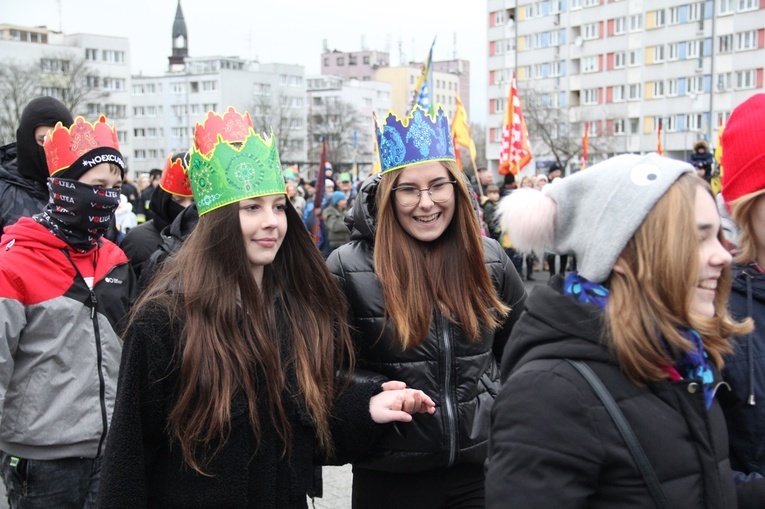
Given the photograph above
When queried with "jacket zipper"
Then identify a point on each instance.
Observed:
(101, 382)
(451, 425)
(99, 351)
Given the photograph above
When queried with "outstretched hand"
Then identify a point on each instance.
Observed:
(397, 403)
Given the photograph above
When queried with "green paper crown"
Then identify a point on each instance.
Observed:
(228, 173)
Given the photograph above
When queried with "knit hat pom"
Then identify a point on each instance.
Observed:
(528, 217)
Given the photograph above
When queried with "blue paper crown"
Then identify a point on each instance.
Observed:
(419, 138)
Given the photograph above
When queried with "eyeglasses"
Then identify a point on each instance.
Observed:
(409, 196)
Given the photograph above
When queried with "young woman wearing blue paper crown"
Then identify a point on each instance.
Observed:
(432, 304)
(228, 390)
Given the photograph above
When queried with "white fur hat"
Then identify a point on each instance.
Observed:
(593, 213)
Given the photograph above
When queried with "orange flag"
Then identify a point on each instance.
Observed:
(585, 144)
(461, 131)
(659, 147)
(516, 150)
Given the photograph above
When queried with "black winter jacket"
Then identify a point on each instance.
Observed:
(744, 405)
(140, 243)
(553, 444)
(461, 377)
(172, 238)
(19, 196)
(143, 466)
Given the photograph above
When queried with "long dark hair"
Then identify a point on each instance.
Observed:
(230, 337)
(449, 271)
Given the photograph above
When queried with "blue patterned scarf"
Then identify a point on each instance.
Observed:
(692, 365)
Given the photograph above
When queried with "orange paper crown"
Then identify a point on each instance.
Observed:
(232, 127)
(64, 145)
(175, 178)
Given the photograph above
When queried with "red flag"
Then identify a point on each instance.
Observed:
(585, 144)
(319, 194)
(516, 150)
(659, 147)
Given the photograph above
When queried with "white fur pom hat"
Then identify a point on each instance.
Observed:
(593, 213)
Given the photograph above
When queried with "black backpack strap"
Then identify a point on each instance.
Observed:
(646, 470)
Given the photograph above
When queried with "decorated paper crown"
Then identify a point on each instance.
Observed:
(418, 138)
(65, 145)
(175, 178)
(230, 162)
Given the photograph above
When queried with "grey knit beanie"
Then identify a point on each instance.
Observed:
(593, 213)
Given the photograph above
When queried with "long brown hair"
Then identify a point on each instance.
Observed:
(651, 297)
(742, 215)
(448, 272)
(230, 338)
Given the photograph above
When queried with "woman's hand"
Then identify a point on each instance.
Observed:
(397, 403)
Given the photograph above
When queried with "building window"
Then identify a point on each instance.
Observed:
(140, 154)
(725, 7)
(745, 79)
(591, 3)
(725, 81)
(499, 17)
(92, 81)
(326, 61)
(672, 88)
(365, 60)
(620, 60)
(179, 88)
(620, 127)
(619, 94)
(54, 65)
(658, 54)
(139, 111)
(590, 64)
(636, 22)
(673, 51)
(634, 58)
(113, 57)
(590, 96)
(633, 92)
(91, 54)
(658, 89)
(696, 84)
(620, 26)
(576, 4)
(340, 60)
(746, 40)
(748, 5)
(694, 121)
(694, 49)
(725, 43)
(694, 11)
(209, 86)
(674, 15)
(139, 132)
(353, 60)
(591, 31)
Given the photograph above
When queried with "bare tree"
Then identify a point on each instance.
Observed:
(274, 112)
(336, 120)
(72, 80)
(19, 84)
(551, 133)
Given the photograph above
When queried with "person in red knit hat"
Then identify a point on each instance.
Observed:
(743, 181)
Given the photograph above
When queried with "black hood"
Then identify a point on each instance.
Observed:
(164, 208)
(361, 220)
(41, 111)
(182, 226)
(744, 275)
(555, 326)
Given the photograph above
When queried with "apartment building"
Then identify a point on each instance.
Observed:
(88, 70)
(622, 67)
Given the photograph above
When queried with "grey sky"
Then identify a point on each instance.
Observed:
(277, 31)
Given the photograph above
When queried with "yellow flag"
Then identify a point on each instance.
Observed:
(461, 129)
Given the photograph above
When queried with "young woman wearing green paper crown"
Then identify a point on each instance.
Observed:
(432, 304)
(228, 391)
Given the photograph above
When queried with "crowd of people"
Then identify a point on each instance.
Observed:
(215, 334)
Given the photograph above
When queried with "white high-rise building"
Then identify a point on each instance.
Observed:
(622, 67)
(166, 108)
(94, 68)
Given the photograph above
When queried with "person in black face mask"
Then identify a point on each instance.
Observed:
(24, 172)
(64, 290)
(170, 198)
